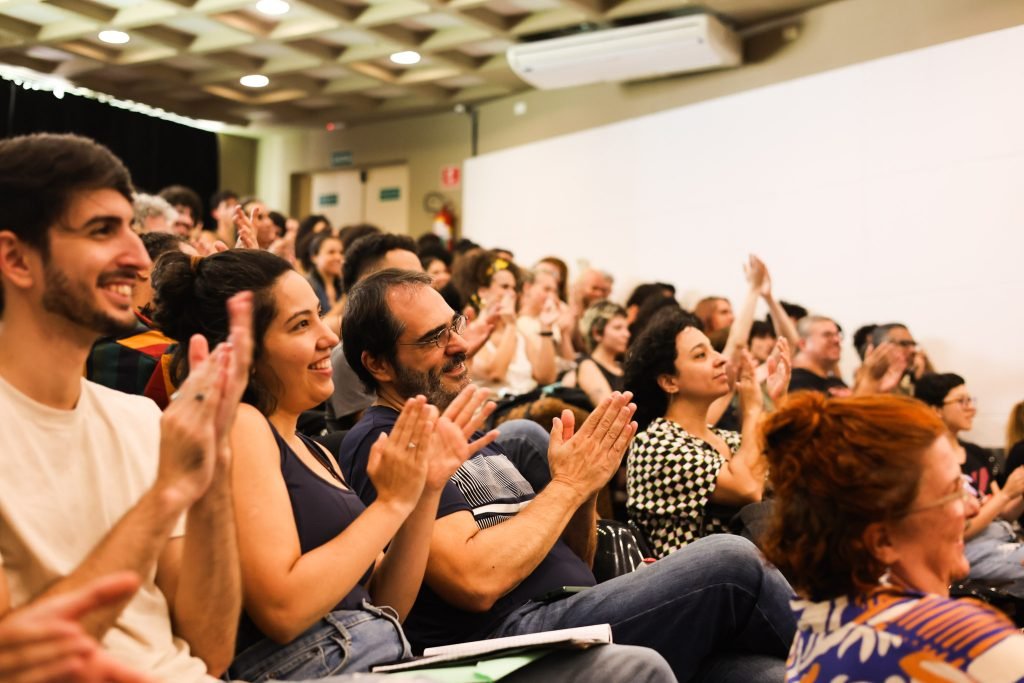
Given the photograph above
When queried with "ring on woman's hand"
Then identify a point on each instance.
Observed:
(411, 445)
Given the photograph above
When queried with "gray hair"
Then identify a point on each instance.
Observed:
(150, 205)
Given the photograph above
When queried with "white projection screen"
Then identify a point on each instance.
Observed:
(891, 190)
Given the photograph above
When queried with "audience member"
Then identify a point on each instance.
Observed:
(437, 263)
(152, 213)
(138, 362)
(642, 293)
(561, 271)
(327, 262)
(992, 547)
(679, 466)
(312, 555)
(647, 311)
(351, 233)
(511, 362)
(264, 230)
(868, 523)
(189, 208)
(543, 314)
(862, 339)
(497, 547)
(222, 210)
(1015, 438)
(761, 340)
(815, 366)
(123, 486)
(309, 227)
(914, 358)
(715, 314)
(606, 333)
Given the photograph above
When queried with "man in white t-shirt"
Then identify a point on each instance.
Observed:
(93, 481)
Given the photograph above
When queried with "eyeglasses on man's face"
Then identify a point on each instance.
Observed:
(441, 338)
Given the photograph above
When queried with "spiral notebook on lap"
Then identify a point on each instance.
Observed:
(580, 637)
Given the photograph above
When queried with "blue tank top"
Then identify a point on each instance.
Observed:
(321, 512)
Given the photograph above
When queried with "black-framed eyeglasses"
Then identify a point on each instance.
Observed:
(444, 335)
(964, 401)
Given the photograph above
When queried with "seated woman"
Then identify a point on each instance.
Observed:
(538, 306)
(679, 465)
(868, 525)
(605, 331)
(511, 362)
(312, 555)
(992, 546)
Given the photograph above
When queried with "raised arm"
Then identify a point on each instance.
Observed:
(472, 567)
(741, 478)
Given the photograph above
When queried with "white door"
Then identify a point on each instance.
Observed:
(386, 202)
(338, 195)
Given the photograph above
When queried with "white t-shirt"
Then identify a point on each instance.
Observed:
(66, 478)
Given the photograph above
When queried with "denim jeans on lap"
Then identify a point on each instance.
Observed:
(713, 609)
(345, 641)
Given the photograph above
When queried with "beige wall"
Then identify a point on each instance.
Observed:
(831, 36)
(237, 163)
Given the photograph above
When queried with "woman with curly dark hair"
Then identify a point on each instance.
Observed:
(679, 465)
(868, 525)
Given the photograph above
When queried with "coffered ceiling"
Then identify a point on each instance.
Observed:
(326, 60)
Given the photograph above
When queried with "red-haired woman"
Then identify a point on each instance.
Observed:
(868, 526)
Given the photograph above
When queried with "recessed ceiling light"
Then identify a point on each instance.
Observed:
(273, 7)
(114, 37)
(254, 81)
(407, 57)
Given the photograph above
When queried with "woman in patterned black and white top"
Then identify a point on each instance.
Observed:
(679, 465)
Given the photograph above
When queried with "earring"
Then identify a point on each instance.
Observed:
(886, 578)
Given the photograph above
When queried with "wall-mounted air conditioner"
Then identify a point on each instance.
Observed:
(693, 43)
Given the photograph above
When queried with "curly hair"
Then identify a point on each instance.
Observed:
(838, 465)
(654, 354)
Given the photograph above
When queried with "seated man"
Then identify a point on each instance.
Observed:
(498, 548)
(94, 481)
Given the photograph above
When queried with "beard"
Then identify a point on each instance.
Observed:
(70, 302)
(409, 383)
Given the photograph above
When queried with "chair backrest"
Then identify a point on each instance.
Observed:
(620, 549)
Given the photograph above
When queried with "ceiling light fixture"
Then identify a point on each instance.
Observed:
(273, 7)
(114, 37)
(408, 57)
(254, 81)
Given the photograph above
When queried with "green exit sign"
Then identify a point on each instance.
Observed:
(341, 158)
(328, 200)
(390, 194)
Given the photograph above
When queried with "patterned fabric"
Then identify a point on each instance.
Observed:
(901, 636)
(494, 488)
(670, 478)
(138, 363)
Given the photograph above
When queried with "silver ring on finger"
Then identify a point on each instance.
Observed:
(412, 444)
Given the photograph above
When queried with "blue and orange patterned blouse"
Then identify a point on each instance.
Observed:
(896, 635)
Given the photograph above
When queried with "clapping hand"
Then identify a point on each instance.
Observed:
(397, 465)
(884, 366)
(749, 391)
(587, 459)
(246, 231)
(779, 370)
(44, 643)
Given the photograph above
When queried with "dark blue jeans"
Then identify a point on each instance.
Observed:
(714, 609)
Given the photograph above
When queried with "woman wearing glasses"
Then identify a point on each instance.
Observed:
(992, 546)
(313, 560)
(868, 526)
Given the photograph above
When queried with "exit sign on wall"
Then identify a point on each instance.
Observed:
(328, 200)
(390, 194)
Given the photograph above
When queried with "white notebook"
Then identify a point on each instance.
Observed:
(579, 637)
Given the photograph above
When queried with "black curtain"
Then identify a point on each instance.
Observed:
(158, 153)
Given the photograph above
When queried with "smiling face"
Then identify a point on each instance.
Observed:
(535, 293)
(94, 262)
(296, 357)
(699, 369)
(958, 410)
(329, 258)
(502, 282)
(823, 343)
(926, 546)
(439, 373)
